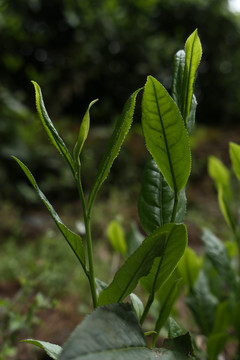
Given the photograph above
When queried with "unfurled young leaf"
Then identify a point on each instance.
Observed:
(234, 150)
(83, 133)
(193, 54)
(116, 236)
(73, 239)
(220, 174)
(137, 304)
(156, 200)
(165, 134)
(52, 350)
(163, 266)
(113, 147)
(50, 129)
(136, 266)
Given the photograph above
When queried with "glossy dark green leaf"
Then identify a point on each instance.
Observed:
(203, 304)
(163, 266)
(73, 239)
(112, 332)
(113, 147)
(136, 266)
(50, 129)
(51, 349)
(165, 134)
(83, 133)
(174, 330)
(218, 255)
(156, 200)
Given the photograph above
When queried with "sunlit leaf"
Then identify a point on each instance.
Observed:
(116, 236)
(52, 350)
(234, 150)
(165, 135)
(189, 267)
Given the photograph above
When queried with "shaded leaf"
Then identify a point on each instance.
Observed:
(113, 147)
(182, 344)
(218, 255)
(136, 266)
(163, 266)
(134, 239)
(174, 330)
(51, 349)
(72, 238)
(165, 135)
(203, 304)
(122, 338)
(156, 200)
(216, 344)
(49, 127)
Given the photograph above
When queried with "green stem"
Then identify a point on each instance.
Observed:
(147, 307)
(87, 220)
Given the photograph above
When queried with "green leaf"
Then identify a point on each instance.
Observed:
(166, 296)
(113, 147)
(216, 344)
(83, 133)
(193, 54)
(234, 150)
(218, 255)
(165, 135)
(134, 239)
(122, 338)
(182, 344)
(203, 304)
(179, 88)
(163, 266)
(116, 236)
(174, 330)
(73, 239)
(222, 318)
(220, 175)
(137, 304)
(235, 318)
(135, 267)
(50, 129)
(224, 205)
(156, 200)
(189, 267)
(52, 350)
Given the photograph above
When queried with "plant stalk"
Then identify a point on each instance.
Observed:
(91, 272)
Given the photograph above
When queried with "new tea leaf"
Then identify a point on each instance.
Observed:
(156, 200)
(49, 127)
(73, 239)
(83, 133)
(234, 150)
(136, 266)
(116, 236)
(165, 135)
(113, 147)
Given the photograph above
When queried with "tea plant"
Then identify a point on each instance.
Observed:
(213, 282)
(113, 329)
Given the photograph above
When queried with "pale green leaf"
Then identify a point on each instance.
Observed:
(50, 129)
(116, 236)
(220, 174)
(113, 147)
(52, 350)
(174, 246)
(83, 133)
(137, 304)
(136, 266)
(156, 200)
(224, 206)
(193, 54)
(72, 238)
(189, 267)
(165, 135)
(234, 150)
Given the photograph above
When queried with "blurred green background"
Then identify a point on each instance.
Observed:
(79, 50)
